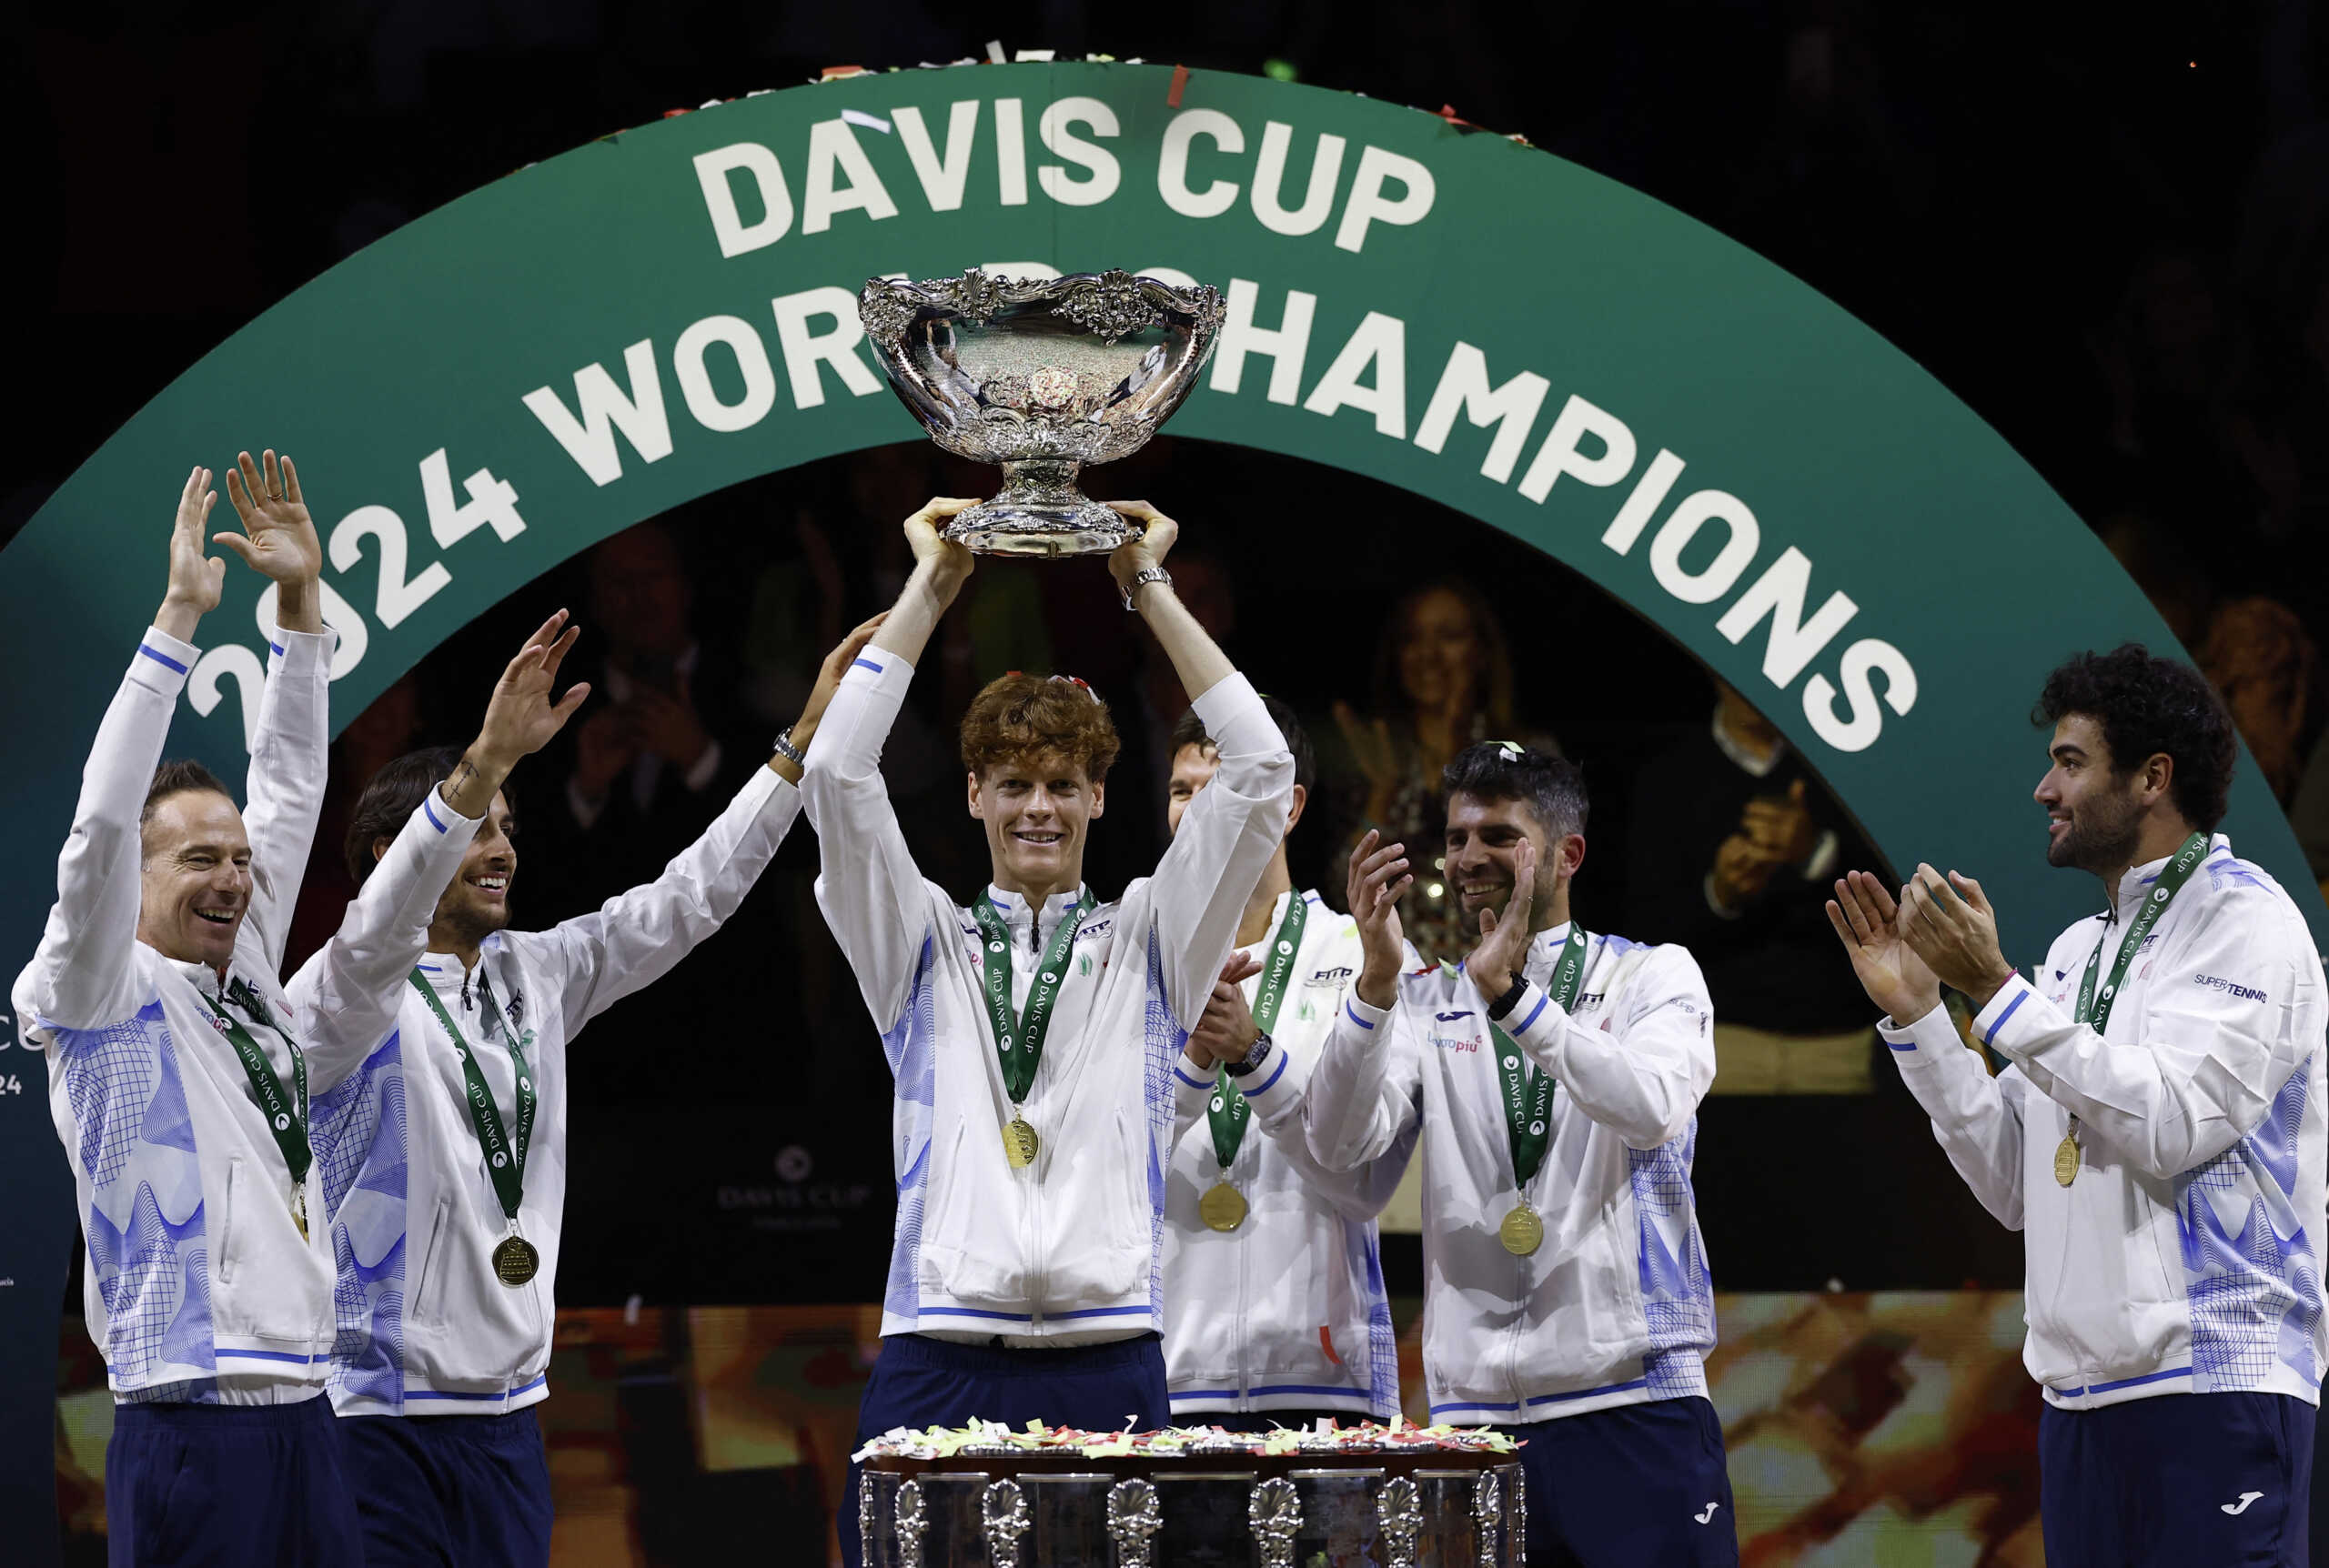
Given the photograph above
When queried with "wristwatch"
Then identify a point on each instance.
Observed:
(790, 752)
(1146, 575)
(1260, 1053)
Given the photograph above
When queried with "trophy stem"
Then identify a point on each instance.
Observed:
(1040, 512)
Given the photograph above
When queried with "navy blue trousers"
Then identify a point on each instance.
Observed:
(921, 1382)
(450, 1490)
(2180, 1480)
(1640, 1486)
(227, 1485)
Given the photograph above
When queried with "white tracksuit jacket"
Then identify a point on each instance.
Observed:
(1615, 1306)
(1287, 1312)
(2184, 1256)
(199, 1289)
(425, 1328)
(1066, 1251)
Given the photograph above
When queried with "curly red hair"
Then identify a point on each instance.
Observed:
(1040, 715)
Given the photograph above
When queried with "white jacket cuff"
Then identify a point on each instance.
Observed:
(300, 652)
(1535, 1022)
(1192, 1088)
(2015, 1019)
(1921, 1041)
(163, 662)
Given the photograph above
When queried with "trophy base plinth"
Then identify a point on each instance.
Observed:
(1041, 513)
(1002, 528)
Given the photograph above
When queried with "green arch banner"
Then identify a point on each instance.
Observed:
(600, 337)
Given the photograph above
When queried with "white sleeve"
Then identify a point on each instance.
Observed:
(1355, 1194)
(346, 998)
(636, 937)
(1362, 1102)
(873, 896)
(1976, 1118)
(1223, 844)
(2232, 1008)
(1644, 1078)
(82, 974)
(283, 793)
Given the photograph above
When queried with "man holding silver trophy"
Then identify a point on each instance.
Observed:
(1032, 1034)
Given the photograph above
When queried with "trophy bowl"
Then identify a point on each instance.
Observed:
(1040, 375)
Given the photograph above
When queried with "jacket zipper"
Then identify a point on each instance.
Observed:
(1031, 1228)
(227, 1226)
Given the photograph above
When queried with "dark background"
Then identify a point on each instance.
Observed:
(2105, 229)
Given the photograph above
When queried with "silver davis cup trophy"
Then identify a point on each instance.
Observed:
(1042, 376)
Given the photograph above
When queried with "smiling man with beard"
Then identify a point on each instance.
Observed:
(1033, 1034)
(2157, 1134)
(445, 1159)
(1556, 1077)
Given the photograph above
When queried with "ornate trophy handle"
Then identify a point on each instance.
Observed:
(1275, 1511)
(1399, 1514)
(1487, 1507)
(1003, 1508)
(1134, 1515)
(906, 1514)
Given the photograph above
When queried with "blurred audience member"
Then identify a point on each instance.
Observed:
(1443, 681)
(1733, 844)
(659, 750)
(2254, 650)
(389, 728)
(1145, 708)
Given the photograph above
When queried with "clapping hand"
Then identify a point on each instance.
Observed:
(1227, 1032)
(1378, 876)
(1503, 949)
(1950, 925)
(1868, 921)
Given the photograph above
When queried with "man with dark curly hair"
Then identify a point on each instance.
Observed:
(1033, 1034)
(2157, 1131)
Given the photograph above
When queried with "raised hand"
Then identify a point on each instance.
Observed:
(828, 676)
(933, 550)
(1951, 926)
(278, 537)
(1226, 1032)
(1783, 825)
(521, 716)
(1378, 876)
(1146, 549)
(1503, 948)
(195, 577)
(1868, 922)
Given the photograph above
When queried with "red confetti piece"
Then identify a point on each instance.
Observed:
(1180, 80)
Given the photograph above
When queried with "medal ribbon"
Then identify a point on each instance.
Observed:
(505, 1158)
(286, 1118)
(1019, 1042)
(1228, 1112)
(1528, 1091)
(2095, 1010)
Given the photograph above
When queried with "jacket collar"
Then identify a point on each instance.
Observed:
(2135, 885)
(1027, 924)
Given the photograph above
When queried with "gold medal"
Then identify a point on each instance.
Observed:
(1019, 1143)
(515, 1262)
(1521, 1233)
(1223, 1208)
(2066, 1159)
(299, 1210)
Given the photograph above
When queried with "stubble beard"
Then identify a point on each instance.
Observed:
(2101, 839)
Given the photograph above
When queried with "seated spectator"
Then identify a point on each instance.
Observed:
(1733, 845)
(1443, 681)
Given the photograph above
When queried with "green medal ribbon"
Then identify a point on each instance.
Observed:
(286, 1118)
(1528, 1091)
(1228, 1112)
(2096, 1010)
(505, 1158)
(1020, 1041)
